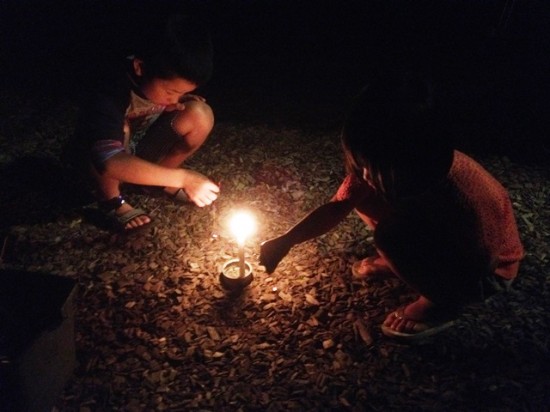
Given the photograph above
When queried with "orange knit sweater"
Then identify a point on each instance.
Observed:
(477, 192)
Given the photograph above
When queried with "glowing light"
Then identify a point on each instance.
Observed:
(242, 225)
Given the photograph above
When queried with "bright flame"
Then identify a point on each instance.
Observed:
(242, 224)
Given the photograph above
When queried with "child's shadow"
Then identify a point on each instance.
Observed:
(37, 190)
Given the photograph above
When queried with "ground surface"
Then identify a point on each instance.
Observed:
(154, 329)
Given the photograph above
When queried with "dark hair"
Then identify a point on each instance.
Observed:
(183, 48)
(395, 133)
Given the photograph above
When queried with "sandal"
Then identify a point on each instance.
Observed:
(118, 222)
(368, 267)
(419, 329)
(179, 196)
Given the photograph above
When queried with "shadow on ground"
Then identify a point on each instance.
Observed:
(36, 190)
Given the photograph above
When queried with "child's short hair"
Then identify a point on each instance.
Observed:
(183, 48)
(394, 131)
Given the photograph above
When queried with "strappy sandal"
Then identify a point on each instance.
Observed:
(118, 222)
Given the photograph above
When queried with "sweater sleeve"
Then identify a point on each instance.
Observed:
(370, 206)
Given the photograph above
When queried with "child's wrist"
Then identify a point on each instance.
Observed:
(289, 239)
(184, 179)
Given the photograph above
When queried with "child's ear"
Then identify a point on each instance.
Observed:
(138, 67)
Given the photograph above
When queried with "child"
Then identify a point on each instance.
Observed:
(441, 222)
(142, 123)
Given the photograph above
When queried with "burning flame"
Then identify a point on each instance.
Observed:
(242, 225)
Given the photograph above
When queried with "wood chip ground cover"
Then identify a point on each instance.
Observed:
(155, 330)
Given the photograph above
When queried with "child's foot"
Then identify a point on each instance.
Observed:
(122, 215)
(373, 265)
(131, 217)
(417, 320)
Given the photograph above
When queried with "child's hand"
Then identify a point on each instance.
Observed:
(200, 189)
(272, 252)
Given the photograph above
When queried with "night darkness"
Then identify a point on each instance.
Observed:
(154, 329)
(300, 62)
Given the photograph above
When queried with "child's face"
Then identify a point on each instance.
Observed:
(166, 92)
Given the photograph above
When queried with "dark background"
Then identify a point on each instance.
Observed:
(299, 63)
(293, 64)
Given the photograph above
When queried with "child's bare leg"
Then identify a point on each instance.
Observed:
(443, 267)
(424, 313)
(415, 312)
(193, 125)
(109, 188)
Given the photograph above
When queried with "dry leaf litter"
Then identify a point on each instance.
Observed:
(155, 330)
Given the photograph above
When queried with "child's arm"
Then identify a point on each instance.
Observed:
(132, 169)
(316, 223)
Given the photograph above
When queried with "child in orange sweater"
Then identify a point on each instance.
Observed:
(441, 222)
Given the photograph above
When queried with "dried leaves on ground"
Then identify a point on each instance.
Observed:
(156, 331)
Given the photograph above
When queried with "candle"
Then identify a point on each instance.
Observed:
(242, 225)
(241, 260)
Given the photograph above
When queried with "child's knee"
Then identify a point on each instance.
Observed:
(197, 117)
